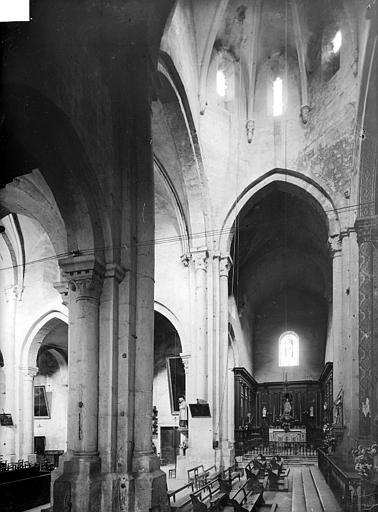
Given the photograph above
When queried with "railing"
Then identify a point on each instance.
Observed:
(44, 465)
(285, 449)
(345, 485)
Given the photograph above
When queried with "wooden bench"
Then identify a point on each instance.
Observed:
(254, 474)
(201, 478)
(210, 497)
(24, 493)
(248, 498)
(260, 465)
(178, 503)
(194, 472)
(275, 481)
(278, 463)
(230, 474)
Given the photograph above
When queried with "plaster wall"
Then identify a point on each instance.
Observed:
(55, 427)
(307, 316)
(322, 149)
(41, 271)
(243, 354)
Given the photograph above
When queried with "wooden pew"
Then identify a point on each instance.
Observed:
(275, 481)
(193, 473)
(230, 474)
(248, 497)
(178, 503)
(260, 465)
(210, 497)
(24, 493)
(254, 474)
(278, 463)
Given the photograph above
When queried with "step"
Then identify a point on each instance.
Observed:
(298, 499)
(326, 496)
(310, 493)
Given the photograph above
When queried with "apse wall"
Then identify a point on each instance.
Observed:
(307, 316)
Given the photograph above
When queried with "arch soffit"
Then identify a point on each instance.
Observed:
(195, 177)
(30, 195)
(283, 176)
(37, 334)
(165, 311)
(47, 133)
(177, 205)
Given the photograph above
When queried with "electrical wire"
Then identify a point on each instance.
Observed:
(236, 229)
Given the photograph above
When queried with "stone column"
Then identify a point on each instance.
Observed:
(335, 248)
(200, 259)
(78, 483)
(226, 449)
(7, 344)
(367, 238)
(149, 480)
(27, 421)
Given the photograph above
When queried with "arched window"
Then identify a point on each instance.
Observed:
(331, 47)
(288, 354)
(225, 78)
(277, 97)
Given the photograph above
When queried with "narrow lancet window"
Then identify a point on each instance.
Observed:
(221, 83)
(277, 97)
(336, 42)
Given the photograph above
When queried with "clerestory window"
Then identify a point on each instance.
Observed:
(288, 349)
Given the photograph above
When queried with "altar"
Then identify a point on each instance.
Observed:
(294, 435)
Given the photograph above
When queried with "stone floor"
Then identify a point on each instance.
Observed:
(284, 500)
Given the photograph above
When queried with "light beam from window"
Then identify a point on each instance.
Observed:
(221, 83)
(336, 42)
(277, 97)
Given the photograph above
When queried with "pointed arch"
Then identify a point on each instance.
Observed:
(322, 201)
(36, 335)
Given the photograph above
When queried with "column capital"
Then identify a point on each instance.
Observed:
(62, 288)
(84, 275)
(200, 258)
(29, 371)
(335, 246)
(185, 361)
(185, 259)
(367, 229)
(225, 264)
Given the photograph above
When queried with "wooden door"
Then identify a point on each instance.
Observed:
(169, 444)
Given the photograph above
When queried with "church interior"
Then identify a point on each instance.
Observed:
(189, 256)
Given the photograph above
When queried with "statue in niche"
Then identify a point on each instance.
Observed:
(365, 417)
(183, 413)
(287, 408)
(339, 407)
(264, 411)
(289, 349)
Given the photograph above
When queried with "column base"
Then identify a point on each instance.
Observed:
(117, 492)
(78, 488)
(150, 484)
(227, 454)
